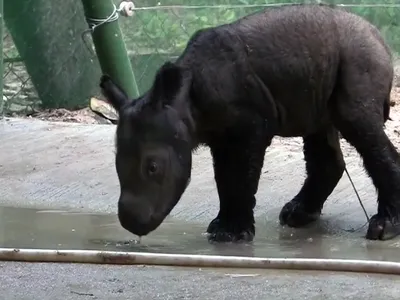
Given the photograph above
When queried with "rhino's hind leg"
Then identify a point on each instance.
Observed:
(360, 116)
(381, 160)
(324, 166)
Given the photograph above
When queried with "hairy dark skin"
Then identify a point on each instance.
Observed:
(309, 71)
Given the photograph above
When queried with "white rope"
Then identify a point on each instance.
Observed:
(189, 260)
(94, 23)
(126, 8)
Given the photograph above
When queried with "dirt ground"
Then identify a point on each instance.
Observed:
(86, 116)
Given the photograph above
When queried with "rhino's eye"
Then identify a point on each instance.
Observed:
(152, 168)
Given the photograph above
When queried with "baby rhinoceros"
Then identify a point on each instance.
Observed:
(307, 71)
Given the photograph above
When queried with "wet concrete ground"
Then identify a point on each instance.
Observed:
(30, 228)
(59, 190)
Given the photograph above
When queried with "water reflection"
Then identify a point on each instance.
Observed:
(30, 228)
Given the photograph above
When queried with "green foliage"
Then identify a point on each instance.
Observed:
(155, 35)
(166, 30)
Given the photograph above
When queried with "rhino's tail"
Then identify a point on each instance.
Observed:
(386, 107)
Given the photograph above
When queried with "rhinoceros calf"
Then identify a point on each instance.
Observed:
(308, 71)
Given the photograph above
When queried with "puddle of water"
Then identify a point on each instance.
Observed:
(50, 229)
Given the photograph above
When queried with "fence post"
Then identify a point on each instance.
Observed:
(1, 61)
(47, 35)
(110, 46)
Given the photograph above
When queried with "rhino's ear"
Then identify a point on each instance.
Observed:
(167, 85)
(113, 93)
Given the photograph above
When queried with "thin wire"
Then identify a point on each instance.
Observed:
(255, 5)
(358, 196)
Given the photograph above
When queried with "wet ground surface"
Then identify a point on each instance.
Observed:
(30, 228)
(54, 229)
(59, 190)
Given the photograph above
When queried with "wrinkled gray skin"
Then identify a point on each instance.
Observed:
(305, 70)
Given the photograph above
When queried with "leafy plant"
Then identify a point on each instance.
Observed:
(165, 30)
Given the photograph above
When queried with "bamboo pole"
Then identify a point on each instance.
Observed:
(203, 261)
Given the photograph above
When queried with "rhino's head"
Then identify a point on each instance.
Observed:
(153, 148)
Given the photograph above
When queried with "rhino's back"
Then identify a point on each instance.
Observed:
(295, 50)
